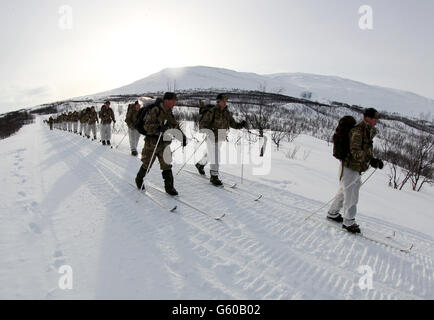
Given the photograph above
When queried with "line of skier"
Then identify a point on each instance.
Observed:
(84, 122)
(157, 119)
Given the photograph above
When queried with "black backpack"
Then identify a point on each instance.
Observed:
(141, 116)
(341, 138)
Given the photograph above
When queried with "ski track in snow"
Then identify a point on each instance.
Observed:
(121, 249)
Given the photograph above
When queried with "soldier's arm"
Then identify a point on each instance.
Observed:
(356, 139)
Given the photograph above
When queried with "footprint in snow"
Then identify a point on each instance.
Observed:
(35, 228)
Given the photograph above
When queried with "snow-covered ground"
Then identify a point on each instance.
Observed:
(65, 201)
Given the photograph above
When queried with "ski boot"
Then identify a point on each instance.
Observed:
(338, 218)
(168, 182)
(216, 181)
(352, 229)
(200, 168)
(139, 178)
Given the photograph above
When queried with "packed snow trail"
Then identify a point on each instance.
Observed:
(66, 204)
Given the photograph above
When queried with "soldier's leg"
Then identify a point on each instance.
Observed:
(105, 130)
(147, 162)
(109, 133)
(136, 139)
(214, 155)
(132, 139)
(88, 130)
(92, 131)
(351, 183)
(338, 203)
(164, 155)
(147, 152)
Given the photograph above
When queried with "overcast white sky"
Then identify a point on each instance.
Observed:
(113, 43)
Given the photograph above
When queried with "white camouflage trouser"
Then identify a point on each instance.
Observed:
(75, 127)
(347, 196)
(213, 155)
(106, 132)
(64, 126)
(134, 136)
(83, 128)
(91, 128)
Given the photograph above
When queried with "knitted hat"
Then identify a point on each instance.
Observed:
(221, 97)
(170, 96)
(372, 113)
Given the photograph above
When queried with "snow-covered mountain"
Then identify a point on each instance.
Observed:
(322, 88)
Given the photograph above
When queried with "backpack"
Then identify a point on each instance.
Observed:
(141, 116)
(341, 138)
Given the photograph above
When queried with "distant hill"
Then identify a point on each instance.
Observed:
(317, 87)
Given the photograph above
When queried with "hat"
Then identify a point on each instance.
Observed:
(137, 102)
(222, 96)
(372, 113)
(170, 96)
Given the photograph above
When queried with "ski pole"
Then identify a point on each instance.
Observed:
(177, 149)
(242, 156)
(122, 140)
(336, 195)
(197, 149)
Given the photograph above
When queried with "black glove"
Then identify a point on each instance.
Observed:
(184, 141)
(243, 124)
(377, 163)
(162, 128)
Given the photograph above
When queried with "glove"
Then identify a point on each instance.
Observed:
(184, 141)
(377, 163)
(162, 128)
(243, 124)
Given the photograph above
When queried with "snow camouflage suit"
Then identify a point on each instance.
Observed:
(107, 116)
(216, 119)
(154, 119)
(84, 117)
(91, 123)
(75, 118)
(131, 120)
(361, 153)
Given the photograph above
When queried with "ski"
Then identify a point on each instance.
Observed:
(150, 196)
(232, 188)
(371, 237)
(181, 200)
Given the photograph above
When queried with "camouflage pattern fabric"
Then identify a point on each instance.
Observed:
(361, 147)
(217, 119)
(107, 115)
